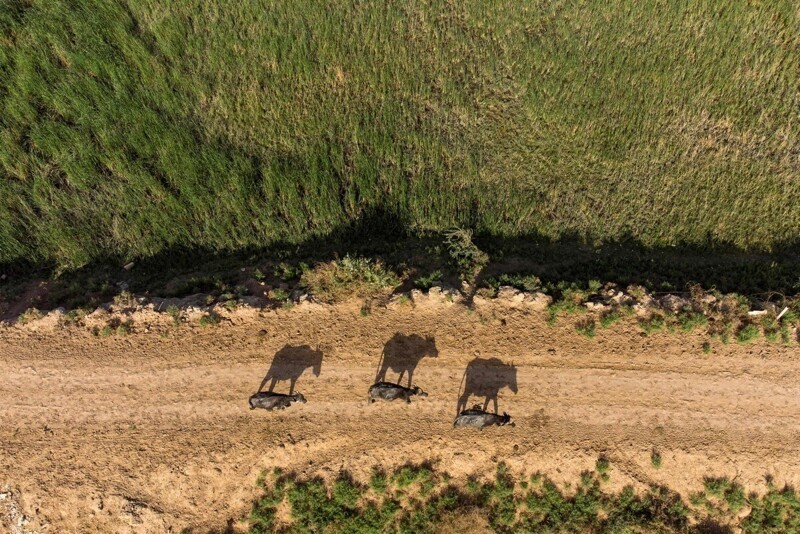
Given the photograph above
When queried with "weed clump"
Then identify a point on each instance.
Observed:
(655, 459)
(174, 312)
(428, 281)
(586, 328)
(29, 315)
(339, 280)
(210, 319)
(654, 323)
(747, 333)
(609, 318)
(523, 282)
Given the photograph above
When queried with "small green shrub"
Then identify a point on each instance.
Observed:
(691, 320)
(106, 331)
(771, 328)
(706, 347)
(174, 312)
(716, 486)
(125, 328)
(426, 282)
(652, 324)
(278, 294)
(747, 333)
(522, 282)
(602, 465)
(125, 299)
(31, 314)
(465, 257)
(210, 319)
(586, 328)
(378, 481)
(655, 459)
(74, 317)
(609, 318)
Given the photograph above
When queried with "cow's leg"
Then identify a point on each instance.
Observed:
(272, 383)
(410, 376)
(400, 376)
(485, 403)
(292, 382)
(495, 404)
(462, 402)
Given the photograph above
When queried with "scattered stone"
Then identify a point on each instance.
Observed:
(538, 301)
(673, 303)
(511, 294)
(708, 299)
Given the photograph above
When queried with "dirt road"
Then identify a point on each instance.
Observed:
(150, 432)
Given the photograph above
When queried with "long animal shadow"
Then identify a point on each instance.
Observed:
(402, 354)
(486, 377)
(289, 364)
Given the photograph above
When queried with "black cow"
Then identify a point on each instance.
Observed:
(478, 418)
(275, 401)
(388, 391)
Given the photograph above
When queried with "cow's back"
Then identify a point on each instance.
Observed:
(269, 402)
(480, 420)
(387, 392)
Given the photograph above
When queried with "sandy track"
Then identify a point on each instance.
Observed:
(151, 432)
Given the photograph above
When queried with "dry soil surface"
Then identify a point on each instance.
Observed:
(151, 431)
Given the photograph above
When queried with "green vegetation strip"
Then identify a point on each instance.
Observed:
(417, 498)
(130, 128)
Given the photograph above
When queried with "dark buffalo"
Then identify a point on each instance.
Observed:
(388, 391)
(275, 401)
(478, 418)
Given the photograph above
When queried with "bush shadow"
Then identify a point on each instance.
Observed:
(178, 271)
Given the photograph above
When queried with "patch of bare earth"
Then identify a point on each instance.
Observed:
(151, 431)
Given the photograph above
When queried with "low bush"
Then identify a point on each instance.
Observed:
(464, 256)
(339, 280)
(655, 459)
(586, 328)
(31, 314)
(428, 281)
(747, 333)
(522, 282)
(609, 318)
(210, 319)
(653, 324)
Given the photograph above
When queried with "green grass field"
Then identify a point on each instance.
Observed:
(131, 127)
